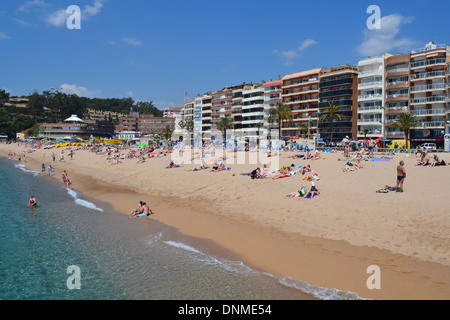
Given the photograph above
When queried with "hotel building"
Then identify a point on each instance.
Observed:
(397, 86)
(300, 91)
(145, 124)
(429, 92)
(371, 93)
(272, 96)
(221, 106)
(252, 109)
(339, 86)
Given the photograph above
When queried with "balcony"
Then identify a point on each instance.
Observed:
(371, 109)
(397, 108)
(334, 93)
(369, 122)
(397, 69)
(397, 95)
(397, 83)
(427, 75)
(346, 102)
(430, 48)
(371, 72)
(433, 99)
(428, 63)
(430, 125)
(330, 83)
(369, 97)
(371, 84)
(430, 87)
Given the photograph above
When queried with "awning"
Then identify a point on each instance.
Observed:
(432, 54)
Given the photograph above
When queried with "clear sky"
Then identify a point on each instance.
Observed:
(158, 50)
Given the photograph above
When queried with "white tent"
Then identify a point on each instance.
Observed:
(73, 118)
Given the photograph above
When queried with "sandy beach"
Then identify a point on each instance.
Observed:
(328, 241)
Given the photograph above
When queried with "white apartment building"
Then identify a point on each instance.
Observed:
(252, 110)
(371, 97)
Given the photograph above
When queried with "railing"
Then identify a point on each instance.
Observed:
(396, 83)
(397, 95)
(336, 93)
(370, 84)
(427, 75)
(425, 63)
(370, 108)
(430, 48)
(428, 99)
(370, 96)
(428, 87)
(397, 108)
(330, 83)
(397, 69)
(432, 124)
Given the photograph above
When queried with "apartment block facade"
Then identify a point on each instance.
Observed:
(339, 86)
(272, 96)
(429, 92)
(300, 91)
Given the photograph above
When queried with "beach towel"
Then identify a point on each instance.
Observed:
(383, 191)
(310, 197)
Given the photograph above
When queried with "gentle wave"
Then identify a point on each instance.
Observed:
(22, 167)
(82, 202)
(317, 292)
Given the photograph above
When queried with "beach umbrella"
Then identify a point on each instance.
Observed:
(142, 145)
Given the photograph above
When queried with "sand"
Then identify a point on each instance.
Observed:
(328, 241)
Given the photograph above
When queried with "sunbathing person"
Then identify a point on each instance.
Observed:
(312, 190)
(425, 159)
(435, 161)
(137, 211)
(306, 169)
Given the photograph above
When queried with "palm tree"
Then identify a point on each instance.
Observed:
(167, 132)
(225, 124)
(366, 132)
(333, 111)
(406, 121)
(280, 114)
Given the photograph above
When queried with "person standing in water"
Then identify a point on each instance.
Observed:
(32, 203)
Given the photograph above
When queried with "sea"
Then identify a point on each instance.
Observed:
(72, 247)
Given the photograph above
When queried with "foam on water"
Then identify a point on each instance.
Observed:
(320, 293)
(82, 202)
(22, 167)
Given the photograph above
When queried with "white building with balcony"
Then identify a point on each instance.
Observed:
(371, 96)
(252, 110)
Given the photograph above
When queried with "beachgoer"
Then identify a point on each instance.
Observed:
(401, 175)
(32, 203)
(66, 179)
(346, 142)
(137, 211)
(312, 190)
(43, 169)
(50, 170)
(370, 146)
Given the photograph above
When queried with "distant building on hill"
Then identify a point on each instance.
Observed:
(144, 124)
(76, 127)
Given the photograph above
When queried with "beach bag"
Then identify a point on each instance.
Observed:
(442, 163)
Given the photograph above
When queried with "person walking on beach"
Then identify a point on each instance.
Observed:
(346, 142)
(401, 175)
(50, 170)
(43, 169)
(370, 146)
(66, 179)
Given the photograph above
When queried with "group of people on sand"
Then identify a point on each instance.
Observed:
(424, 159)
(349, 166)
(143, 210)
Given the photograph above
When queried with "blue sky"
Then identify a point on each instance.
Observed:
(158, 50)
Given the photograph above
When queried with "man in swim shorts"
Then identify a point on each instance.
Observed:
(401, 175)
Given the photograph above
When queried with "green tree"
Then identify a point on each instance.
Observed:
(365, 133)
(332, 112)
(225, 124)
(4, 97)
(167, 132)
(188, 125)
(406, 121)
(280, 114)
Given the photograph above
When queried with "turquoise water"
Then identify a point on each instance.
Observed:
(118, 258)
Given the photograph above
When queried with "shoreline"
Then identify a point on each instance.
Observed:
(262, 244)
